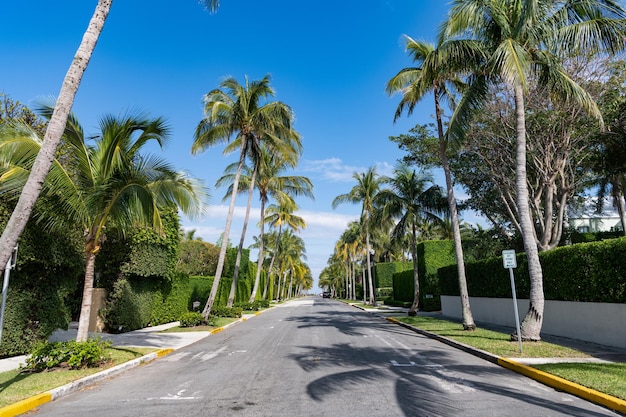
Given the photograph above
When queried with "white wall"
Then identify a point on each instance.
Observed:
(602, 323)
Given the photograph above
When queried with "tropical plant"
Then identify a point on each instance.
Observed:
(102, 188)
(364, 193)
(56, 126)
(277, 216)
(410, 200)
(239, 110)
(508, 41)
(433, 75)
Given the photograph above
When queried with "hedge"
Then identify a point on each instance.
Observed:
(431, 255)
(587, 272)
(384, 271)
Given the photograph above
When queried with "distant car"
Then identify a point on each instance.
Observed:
(326, 294)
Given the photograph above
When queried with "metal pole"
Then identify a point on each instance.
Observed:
(5, 288)
(519, 333)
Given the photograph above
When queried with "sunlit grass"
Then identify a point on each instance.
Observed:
(16, 386)
(609, 378)
(603, 377)
(217, 322)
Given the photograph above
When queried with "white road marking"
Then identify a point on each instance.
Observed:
(394, 363)
(176, 397)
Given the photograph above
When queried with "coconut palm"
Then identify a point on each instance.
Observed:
(240, 111)
(279, 215)
(433, 75)
(364, 193)
(106, 186)
(271, 183)
(56, 126)
(410, 200)
(515, 40)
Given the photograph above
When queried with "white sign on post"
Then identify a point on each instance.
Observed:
(509, 259)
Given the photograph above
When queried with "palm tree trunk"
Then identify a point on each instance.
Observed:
(56, 127)
(229, 219)
(85, 307)
(531, 325)
(364, 286)
(468, 318)
(233, 286)
(257, 278)
(369, 266)
(416, 282)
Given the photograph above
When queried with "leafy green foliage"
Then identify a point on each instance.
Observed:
(69, 354)
(127, 309)
(41, 296)
(587, 272)
(383, 272)
(254, 306)
(196, 257)
(191, 319)
(431, 255)
(222, 311)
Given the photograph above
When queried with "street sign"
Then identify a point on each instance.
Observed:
(508, 259)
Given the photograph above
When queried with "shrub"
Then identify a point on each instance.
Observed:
(191, 319)
(69, 354)
(219, 311)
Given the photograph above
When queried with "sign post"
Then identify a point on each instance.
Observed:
(509, 261)
(5, 286)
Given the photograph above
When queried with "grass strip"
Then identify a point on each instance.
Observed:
(608, 378)
(16, 386)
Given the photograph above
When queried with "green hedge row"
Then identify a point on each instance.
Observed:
(589, 272)
(431, 256)
(383, 272)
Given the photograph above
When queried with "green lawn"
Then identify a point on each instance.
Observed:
(16, 386)
(607, 378)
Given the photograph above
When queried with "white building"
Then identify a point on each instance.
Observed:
(584, 219)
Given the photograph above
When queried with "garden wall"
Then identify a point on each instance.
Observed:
(602, 323)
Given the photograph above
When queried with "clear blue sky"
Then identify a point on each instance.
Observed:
(329, 61)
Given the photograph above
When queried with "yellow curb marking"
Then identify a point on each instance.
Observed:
(565, 385)
(25, 405)
(162, 352)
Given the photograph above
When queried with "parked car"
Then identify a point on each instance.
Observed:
(326, 294)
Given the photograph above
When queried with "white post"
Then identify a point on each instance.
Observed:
(509, 261)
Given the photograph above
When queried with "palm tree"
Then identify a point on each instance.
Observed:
(270, 183)
(432, 75)
(364, 192)
(279, 215)
(106, 186)
(45, 158)
(238, 110)
(410, 201)
(512, 41)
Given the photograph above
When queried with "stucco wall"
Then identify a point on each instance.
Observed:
(602, 323)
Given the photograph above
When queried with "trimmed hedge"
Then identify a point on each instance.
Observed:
(587, 272)
(383, 272)
(431, 255)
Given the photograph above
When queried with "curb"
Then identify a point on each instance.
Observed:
(28, 404)
(608, 401)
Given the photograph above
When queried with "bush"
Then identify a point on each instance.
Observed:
(219, 311)
(254, 306)
(191, 319)
(69, 354)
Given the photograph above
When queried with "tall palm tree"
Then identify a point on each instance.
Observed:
(433, 75)
(271, 183)
(279, 215)
(109, 185)
(410, 200)
(242, 111)
(513, 40)
(364, 193)
(45, 158)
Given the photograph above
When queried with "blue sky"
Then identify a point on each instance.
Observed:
(329, 61)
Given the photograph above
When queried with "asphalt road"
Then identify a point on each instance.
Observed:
(319, 357)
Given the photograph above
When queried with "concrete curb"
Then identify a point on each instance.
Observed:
(28, 404)
(608, 401)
